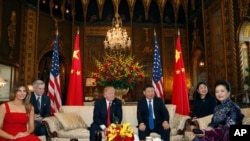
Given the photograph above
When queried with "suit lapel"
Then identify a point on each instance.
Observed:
(104, 107)
(145, 104)
(33, 98)
(42, 102)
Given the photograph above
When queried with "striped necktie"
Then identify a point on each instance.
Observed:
(38, 103)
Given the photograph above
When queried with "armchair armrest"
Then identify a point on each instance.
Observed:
(246, 121)
(52, 125)
(180, 123)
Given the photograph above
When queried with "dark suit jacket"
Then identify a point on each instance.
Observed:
(45, 105)
(100, 111)
(160, 111)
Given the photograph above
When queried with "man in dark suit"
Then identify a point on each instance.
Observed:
(41, 103)
(101, 110)
(151, 107)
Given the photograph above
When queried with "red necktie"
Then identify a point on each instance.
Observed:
(108, 115)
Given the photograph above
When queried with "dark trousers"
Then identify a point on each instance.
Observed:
(40, 129)
(165, 134)
(93, 130)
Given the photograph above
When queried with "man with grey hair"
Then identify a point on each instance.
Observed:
(41, 103)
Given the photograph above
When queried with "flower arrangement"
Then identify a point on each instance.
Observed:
(121, 132)
(119, 71)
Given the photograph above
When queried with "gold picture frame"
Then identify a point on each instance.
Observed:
(7, 73)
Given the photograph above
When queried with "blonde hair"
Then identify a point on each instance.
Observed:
(108, 88)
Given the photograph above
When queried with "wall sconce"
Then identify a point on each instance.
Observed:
(2, 82)
(202, 64)
(31, 89)
(90, 82)
(44, 1)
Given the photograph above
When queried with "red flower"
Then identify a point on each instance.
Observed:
(119, 71)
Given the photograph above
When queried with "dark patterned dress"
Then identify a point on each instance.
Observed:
(225, 114)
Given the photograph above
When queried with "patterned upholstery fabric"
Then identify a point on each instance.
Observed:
(246, 112)
(70, 121)
(171, 110)
(76, 133)
(54, 124)
(204, 121)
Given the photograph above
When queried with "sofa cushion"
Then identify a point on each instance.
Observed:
(75, 133)
(70, 121)
(86, 112)
(204, 121)
(127, 112)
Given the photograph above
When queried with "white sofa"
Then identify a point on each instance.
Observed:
(58, 133)
(42, 138)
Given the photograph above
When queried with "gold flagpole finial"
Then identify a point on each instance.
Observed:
(178, 31)
(154, 32)
(78, 30)
(57, 32)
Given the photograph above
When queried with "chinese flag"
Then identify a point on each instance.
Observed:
(75, 88)
(180, 95)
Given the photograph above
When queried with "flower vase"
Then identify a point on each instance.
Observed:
(119, 93)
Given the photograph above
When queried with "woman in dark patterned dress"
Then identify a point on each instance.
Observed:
(225, 114)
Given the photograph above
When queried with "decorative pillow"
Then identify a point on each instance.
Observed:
(70, 121)
(204, 121)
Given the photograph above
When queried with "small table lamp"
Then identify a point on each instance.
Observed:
(2, 82)
(90, 82)
(31, 89)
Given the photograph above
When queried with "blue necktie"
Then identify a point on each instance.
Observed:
(150, 116)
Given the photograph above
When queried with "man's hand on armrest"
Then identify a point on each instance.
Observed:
(142, 126)
(165, 125)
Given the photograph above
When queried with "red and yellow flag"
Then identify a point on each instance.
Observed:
(75, 87)
(180, 93)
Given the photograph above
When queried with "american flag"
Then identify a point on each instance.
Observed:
(54, 88)
(157, 71)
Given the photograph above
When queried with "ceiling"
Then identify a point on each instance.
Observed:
(167, 12)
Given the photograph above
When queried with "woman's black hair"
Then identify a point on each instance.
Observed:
(197, 94)
(224, 83)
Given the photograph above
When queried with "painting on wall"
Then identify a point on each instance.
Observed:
(7, 73)
(10, 30)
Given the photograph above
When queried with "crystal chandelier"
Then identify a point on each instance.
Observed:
(117, 39)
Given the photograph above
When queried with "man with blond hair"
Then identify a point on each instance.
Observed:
(106, 111)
